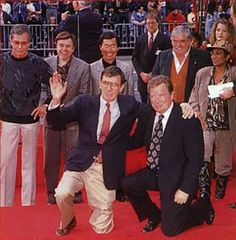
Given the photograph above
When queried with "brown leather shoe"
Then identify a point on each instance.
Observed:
(67, 229)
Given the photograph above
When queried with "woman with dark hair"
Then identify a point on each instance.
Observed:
(217, 118)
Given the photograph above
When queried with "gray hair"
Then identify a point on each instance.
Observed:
(181, 29)
(20, 29)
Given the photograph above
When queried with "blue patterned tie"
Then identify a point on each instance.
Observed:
(155, 145)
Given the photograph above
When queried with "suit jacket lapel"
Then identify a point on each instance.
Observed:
(191, 70)
(155, 43)
(150, 122)
(117, 125)
(94, 120)
(168, 63)
(99, 66)
(145, 43)
(72, 74)
(53, 63)
(170, 129)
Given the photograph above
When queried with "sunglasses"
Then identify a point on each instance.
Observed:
(18, 43)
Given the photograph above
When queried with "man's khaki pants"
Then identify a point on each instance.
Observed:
(99, 198)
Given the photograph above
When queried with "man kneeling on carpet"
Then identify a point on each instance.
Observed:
(98, 160)
(175, 151)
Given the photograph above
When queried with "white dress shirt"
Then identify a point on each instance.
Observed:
(114, 108)
(115, 113)
(178, 65)
(166, 115)
(154, 35)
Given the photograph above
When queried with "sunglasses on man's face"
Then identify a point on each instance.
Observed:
(18, 43)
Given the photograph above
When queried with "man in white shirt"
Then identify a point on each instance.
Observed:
(98, 159)
(175, 152)
(6, 7)
(181, 63)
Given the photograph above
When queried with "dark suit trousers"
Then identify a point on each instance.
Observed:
(175, 218)
(56, 142)
(142, 88)
(136, 186)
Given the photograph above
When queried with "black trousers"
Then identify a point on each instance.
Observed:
(142, 88)
(175, 218)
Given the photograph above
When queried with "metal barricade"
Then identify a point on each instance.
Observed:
(127, 33)
(42, 42)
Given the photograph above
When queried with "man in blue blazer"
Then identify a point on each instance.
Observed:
(96, 166)
(172, 167)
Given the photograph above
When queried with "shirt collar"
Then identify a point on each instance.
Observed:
(154, 34)
(103, 102)
(106, 64)
(167, 113)
(185, 55)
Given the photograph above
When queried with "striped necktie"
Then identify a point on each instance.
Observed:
(104, 131)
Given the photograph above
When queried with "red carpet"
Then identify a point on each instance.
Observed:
(40, 221)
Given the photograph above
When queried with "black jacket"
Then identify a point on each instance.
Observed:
(21, 86)
(85, 110)
(90, 29)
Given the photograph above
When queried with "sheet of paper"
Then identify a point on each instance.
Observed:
(215, 90)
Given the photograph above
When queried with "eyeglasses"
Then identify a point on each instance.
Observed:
(18, 43)
(112, 85)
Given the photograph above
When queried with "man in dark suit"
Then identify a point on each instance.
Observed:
(181, 63)
(175, 152)
(146, 49)
(87, 27)
(94, 164)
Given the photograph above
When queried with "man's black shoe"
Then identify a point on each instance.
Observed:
(151, 225)
(51, 199)
(64, 231)
(210, 214)
(120, 196)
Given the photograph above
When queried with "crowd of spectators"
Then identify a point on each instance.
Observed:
(115, 11)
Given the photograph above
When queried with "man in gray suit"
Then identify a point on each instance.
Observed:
(109, 46)
(77, 75)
